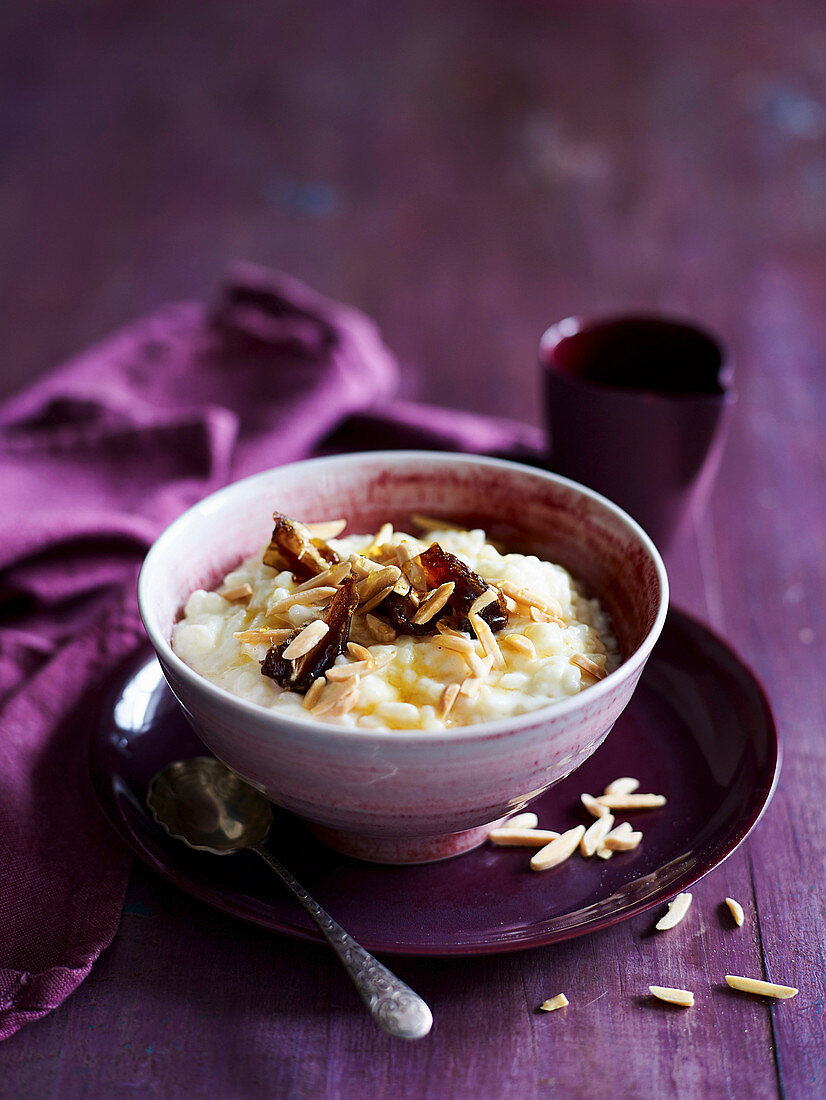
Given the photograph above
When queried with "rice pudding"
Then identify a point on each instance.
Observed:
(395, 631)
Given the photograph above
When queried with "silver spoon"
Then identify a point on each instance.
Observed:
(204, 804)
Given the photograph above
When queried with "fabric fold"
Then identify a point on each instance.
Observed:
(96, 459)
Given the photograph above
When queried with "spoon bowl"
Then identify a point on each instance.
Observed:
(204, 804)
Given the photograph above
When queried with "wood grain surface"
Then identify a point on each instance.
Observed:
(466, 173)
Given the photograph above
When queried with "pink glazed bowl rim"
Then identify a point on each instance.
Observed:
(312, 728)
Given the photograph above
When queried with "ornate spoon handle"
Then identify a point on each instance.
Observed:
(392, 1004)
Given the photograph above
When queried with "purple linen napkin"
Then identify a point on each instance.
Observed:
(95, 460)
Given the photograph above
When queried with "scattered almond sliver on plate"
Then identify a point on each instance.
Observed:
(594, 836)
(595, 808)
(677, 909)
(631, 801)
(624, 785)
(626, 841)
(682, 997)
(764, 989)
(559, 849)
(736, 910)
(559, 1001)
(521, 821)
(522, 838)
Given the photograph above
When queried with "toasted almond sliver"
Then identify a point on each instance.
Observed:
(433, 523)
(489, 643)
(559, 1001)
(362, 567)
(521, 644)
(471, 687)
(625, 785)
(434, 603)
(558, 850)
(595, 835)
(258, 637)
(481, 602)
(631, 801)
(618, 834)
(347, 701)
(236, 594)
(584, 662)
(407, 550)
(388, 575)
(304, 642)
(332, 576)
(455, 643)
(677, 909)
(326, 529)
(625, 843)
(479, 666)
(736, 910)
(682, 997)
(408, 554)
(373, 603)
(604, 853)
(346, 672)
(384, 534)
(529, 599)
(522, 838)
(765, 989)
(381, 631)
(302, 599)
(596, 809)
(314, 692)
(359, 652)
(336, 695)
(521, 821)
(358, 668)
(448, 631)
(448, 698)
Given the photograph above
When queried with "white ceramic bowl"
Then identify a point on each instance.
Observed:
(409, 796)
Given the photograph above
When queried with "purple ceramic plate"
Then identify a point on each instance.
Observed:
(698, 729)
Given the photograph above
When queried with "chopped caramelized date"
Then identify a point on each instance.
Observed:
(440, 567)
(276, 666)
(293, 548)
(326, 552)
(298, 675)
(400, 611)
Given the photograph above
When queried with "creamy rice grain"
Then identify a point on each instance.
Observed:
(406, 692)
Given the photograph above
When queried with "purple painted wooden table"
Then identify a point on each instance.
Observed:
(466, 173)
